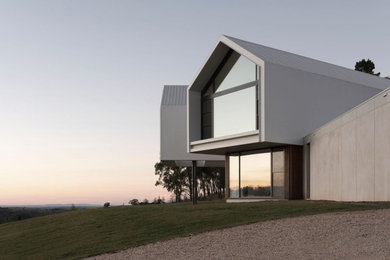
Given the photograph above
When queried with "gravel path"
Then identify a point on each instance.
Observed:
(349, 235)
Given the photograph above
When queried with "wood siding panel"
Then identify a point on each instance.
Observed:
(295, 172)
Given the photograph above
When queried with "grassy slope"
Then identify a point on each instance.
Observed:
(76, 234)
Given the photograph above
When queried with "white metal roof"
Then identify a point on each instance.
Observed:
(174, 95)
(260, 54)
(311, 65)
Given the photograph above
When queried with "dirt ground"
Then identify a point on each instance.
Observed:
(348, 235)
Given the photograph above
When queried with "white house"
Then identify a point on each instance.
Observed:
(255, 105)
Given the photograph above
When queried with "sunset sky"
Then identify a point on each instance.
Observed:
(81, 81)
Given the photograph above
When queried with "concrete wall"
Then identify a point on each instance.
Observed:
(350, 156)
(298, 102)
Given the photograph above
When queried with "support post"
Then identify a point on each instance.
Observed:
(194, 184)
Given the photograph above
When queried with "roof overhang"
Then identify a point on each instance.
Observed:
(243, 147)
(215, 58)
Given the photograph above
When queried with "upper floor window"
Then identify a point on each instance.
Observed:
(230, 100)
(239, 70)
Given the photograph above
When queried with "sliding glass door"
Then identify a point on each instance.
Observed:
(256, 174)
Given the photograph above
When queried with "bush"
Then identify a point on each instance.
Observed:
(134, 202)
(107, 204)
(158, 200)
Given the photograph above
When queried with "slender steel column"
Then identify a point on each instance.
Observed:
(194, 184)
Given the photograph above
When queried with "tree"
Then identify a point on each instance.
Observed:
(366, 66)
(107, 204)
(174, 179)
(134, 202)
(210, 181)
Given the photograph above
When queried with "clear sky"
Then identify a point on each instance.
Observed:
(81, 81)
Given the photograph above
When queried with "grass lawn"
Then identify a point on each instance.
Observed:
(77, 234)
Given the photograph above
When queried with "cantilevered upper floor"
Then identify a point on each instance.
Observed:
(248, 96)
(173, 131)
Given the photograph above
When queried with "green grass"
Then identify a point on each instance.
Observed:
(77, 234)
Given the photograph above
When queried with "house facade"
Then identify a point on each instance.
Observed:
(259, 107)
(173, 132)
(173, 135)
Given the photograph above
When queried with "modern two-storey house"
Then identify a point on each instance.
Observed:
(255, 105)
(260, 108)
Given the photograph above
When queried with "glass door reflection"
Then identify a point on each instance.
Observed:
(255, 173)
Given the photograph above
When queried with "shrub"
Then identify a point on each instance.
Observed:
(107, 204)
(158, 200)
(134, 202)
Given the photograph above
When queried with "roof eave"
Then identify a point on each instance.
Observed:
(214, 59)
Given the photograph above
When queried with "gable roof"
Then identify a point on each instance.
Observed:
(260, 54)
(174, 95)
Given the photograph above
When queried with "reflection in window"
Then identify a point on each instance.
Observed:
(234, 176)
(235, 113)
(256, 175)
(230, 100)
(278, 174)
(250, 174)
(238, 70)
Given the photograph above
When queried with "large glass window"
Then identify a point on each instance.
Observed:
(235, 113)
(242, 71)
(230, 101)
(234, 176)
(278, 174)
(257, 174)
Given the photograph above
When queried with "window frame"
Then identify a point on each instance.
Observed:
(210, 87)
(257, 151)
(239, 174)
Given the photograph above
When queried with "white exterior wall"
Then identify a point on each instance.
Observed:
(173, 139)
(298, 102)
(350, 156)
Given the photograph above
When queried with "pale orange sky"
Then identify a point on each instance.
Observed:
(60, 172)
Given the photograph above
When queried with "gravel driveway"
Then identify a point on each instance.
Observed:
(350, 235)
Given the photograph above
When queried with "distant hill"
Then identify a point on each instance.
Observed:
(20, 212)
(9, 214)
(52, 206)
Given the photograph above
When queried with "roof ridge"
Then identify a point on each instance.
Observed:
(305, 59)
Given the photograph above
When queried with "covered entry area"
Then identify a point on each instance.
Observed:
(274, 173)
